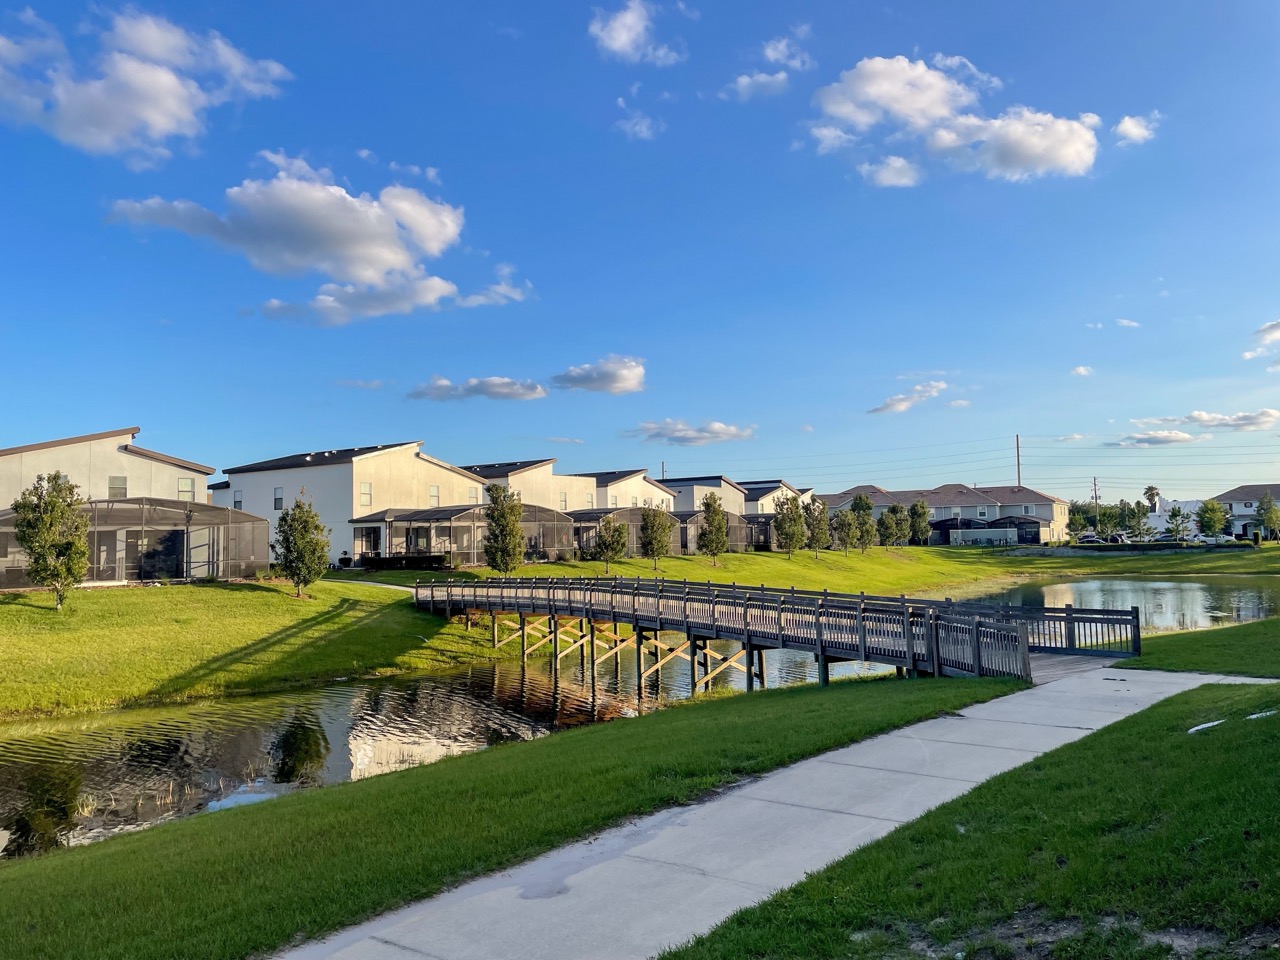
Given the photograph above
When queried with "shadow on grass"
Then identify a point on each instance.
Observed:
(36, 599)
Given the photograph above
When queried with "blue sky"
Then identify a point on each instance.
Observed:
(836, 242)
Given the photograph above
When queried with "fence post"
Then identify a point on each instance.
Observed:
(862, 633)
(1024, 649)
(1136, 631)
(935, 657)
(824, 673)
(908, 635)
(1071, 626)
(975, 637)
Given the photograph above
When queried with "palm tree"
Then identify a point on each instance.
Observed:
(1152, 496)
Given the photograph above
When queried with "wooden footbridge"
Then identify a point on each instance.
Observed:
(942, 638)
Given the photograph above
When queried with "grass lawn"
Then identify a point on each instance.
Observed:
(1138, 826)
(245, 881)
(954, 571)
(1247, 649)
(131, 646)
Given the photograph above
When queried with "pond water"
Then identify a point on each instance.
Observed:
(73, 781)
(1164, 604)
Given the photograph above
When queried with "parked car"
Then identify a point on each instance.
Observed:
(1117, 538)
(1089, 538)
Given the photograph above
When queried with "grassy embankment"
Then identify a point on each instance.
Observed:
(134, 646)
(1079, 855)
(1246, 649)
(249, 880)
(952, 571)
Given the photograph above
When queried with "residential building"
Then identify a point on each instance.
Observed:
(618, 489)
(1242, 503)
(1020, 507)
(538, 485)
(762, 496)
(689, 492)
(1158, 519)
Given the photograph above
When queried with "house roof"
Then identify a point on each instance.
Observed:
(165, 458)
(673, 482)
(496, 471)
(413, 514)
(606, 477)
(755, 489)
(1248, 491)
(220, 485)
(84, 438)
(1016, 495)
(317, 458)
(947, 495)
(436, 462)
(879, 495)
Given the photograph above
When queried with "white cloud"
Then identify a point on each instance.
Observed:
(1071, 438)
(747, 85)
(1127, 323)
(613, 374)
(1082, 371)
(788, 53)
(680, 433)
(627, 34)
(495, 388)
(1263, 419)
(891, 172)
(364, 153)
(152, 84)
(500, 292)
(1134, 130)
(1268, 333)
(1254, 354)
(1094, 326)
(959, 403)
(963, 65)
(903, 402)
(693, 13)
(362, 384)
(373, 250)
(807, 428)
(637, 124)
(921, 101)
(1157, 438)
(830, 138)
(576, 440)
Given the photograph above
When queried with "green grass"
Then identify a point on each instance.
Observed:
(1246, 649)
(247, 881)
(126, 647)
(1139, 822)
(956, 571)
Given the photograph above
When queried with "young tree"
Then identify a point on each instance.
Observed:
(1268, 515)
(1140, 529)
(713, 538)
(1179, 524)
(894, 526)
(656, 526)
(503, 535)
(864, 530)
(789, 528)
(844, 530)
(1152, 496)
(918, 520)
(817, 524)
(301, 545)
(611, 541)
(1077, 523)
(53, 532)
(1211, 518)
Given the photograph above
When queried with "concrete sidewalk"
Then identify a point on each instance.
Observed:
(655, 882)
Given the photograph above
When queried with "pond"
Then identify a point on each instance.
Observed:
(1164, 604)
(72, 781)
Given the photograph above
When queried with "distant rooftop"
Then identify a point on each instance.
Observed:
(316, 458)
(496, 471)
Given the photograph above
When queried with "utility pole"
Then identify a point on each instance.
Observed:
(1017, 449)
(1096, 509)
(664, 469)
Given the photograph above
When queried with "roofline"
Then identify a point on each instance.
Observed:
(437, 462)
(172, 461)
(659, 485)
(262, 466)
(709, 476)
(528, 465)
(48, 444)
(387, 448)
(620, 474)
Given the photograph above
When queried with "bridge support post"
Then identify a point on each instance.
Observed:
(524, 638)
(824, 671)
(555, 648)
(748, 654)
(691, 646)
(638, 639)
(760, 661)
(493, 629)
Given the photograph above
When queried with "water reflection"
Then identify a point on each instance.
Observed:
(78, 780)
(1163, 604)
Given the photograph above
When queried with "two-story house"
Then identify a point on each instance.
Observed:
(617, 489)
(689, 492)
(1242, 503)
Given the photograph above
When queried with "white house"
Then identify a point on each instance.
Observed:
(762, 496)
(629, 488)
(538, 485)
(1242, 503)
(1159, 518)
(689, 492)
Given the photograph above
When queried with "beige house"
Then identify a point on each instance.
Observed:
(538, 485)
(689, 492)
(762, 496)
(617, 489)
(105, 466)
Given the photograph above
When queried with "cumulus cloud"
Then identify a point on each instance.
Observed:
(1157, 438)
(373, 250)
(1127, 323)
(959, 403)
(891, 172)
(786, 52)
(747, 85)
(628, 35)
(903, 402)
(680, 433)
(1070, 438)
(830, 138)
(1094, 326)
(938, 105)
(503, 290)
(1254, 354)
(1082, 371)
(1134, 130)
(613, 374)
(495, 388)
(151, 85)
(1263, 419)
(637, 124)
(1264, 336)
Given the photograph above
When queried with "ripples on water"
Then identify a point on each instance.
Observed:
(74, 781)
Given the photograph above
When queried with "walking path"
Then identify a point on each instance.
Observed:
(657, 881)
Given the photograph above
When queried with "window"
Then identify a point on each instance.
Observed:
(635, 501)
(237, 499)
(433, 495)
(473, 494)
(1248, 506)
(1028, 509)
(648, 501)
(982, 512)
(277, 497)
(187, 489)
(613, 501)
(933, 513)
(366, 494)
(591, 501)
(564, 500)
(955, 513)
(117, 488)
